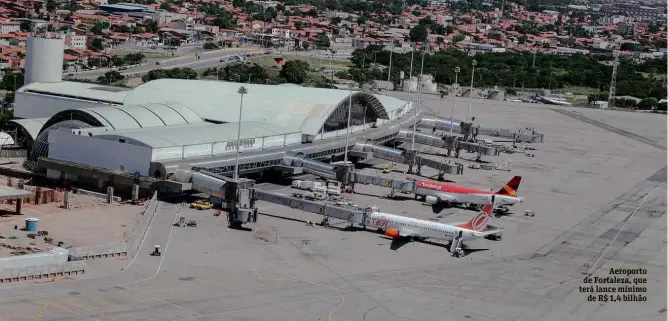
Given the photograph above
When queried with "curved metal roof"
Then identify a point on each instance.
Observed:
(31, 125)
(294, 107)
(129, 117)
(79, 90)
(193, 134)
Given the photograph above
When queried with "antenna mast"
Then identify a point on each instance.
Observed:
(613, 81)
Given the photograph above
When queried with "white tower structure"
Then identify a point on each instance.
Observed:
(44, 60)
(613, 81)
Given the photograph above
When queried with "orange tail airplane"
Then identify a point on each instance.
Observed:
(435, 192)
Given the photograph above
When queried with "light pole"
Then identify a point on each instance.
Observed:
(420, 79)
(389, 70)
(242, 91)
(410, 76)
(350, 108)
(452, 114)
(468, 117)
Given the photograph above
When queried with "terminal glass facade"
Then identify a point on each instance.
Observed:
(362, 112)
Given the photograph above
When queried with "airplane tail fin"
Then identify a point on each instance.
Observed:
(510, 189)
(479, 222)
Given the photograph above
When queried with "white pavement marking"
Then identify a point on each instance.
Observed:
(593, 266)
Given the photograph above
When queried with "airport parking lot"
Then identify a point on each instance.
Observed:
(585, 184)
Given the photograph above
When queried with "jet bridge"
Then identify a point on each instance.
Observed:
(355, 216)
(447, 142)
(444, 124)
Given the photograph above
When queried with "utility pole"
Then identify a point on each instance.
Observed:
(452, 114)
(613, 81)
(350, 108)
(242, 91)
(420, 80)
(468, 117)
(389, 70)
(410, 75)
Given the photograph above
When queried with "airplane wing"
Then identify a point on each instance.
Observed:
(404, 232)
(445, 197)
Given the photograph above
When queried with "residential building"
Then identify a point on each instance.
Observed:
(7, 26)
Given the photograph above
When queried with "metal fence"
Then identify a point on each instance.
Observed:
(41, 271)
(97, 251)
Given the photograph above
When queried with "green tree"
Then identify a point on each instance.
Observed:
(151, 26)
(71, 6)
(243, 73)
(51, 5)
(322, 42)
(26, 25)
(174, 73)
(110, 77)
(12, 80)
(419, 33)
(96, 44)
(165, 6)
(210, 46)
(295, 71)
(238, 3)
(133, 58)
(648, 103)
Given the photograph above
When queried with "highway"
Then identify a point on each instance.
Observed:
(207, 59)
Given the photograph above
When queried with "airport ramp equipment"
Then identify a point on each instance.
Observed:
(446, 142)
(398, 184)
(351, 215)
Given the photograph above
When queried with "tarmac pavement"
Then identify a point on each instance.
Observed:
(600, 201)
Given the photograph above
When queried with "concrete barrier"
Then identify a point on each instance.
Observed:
(97, 195)
(98, 251)
(36, 272)
(135, 237)
(57, 255)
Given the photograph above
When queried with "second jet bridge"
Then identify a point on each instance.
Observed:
(444, 124)
(447, 142)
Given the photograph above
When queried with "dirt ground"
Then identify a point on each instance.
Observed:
(90, 222)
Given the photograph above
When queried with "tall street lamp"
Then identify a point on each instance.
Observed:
(242, 91)
(468, 117)
(454, 96)
(410, 76)
(350, 107)
(419, 104)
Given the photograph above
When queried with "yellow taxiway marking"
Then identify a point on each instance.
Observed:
(41, 312)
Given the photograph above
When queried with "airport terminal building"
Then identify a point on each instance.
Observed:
(166, 124)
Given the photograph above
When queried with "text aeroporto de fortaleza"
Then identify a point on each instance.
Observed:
(616, 288)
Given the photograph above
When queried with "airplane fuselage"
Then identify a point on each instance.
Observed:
(422, 228)
(455, 194)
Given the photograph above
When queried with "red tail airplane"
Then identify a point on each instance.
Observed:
(435, 192)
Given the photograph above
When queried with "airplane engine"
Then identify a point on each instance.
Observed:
(431, 200)
(393, 233)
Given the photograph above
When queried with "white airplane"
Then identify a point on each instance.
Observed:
(402, 227)
(448, 194)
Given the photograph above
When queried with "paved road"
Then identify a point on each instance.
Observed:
(207, 59)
